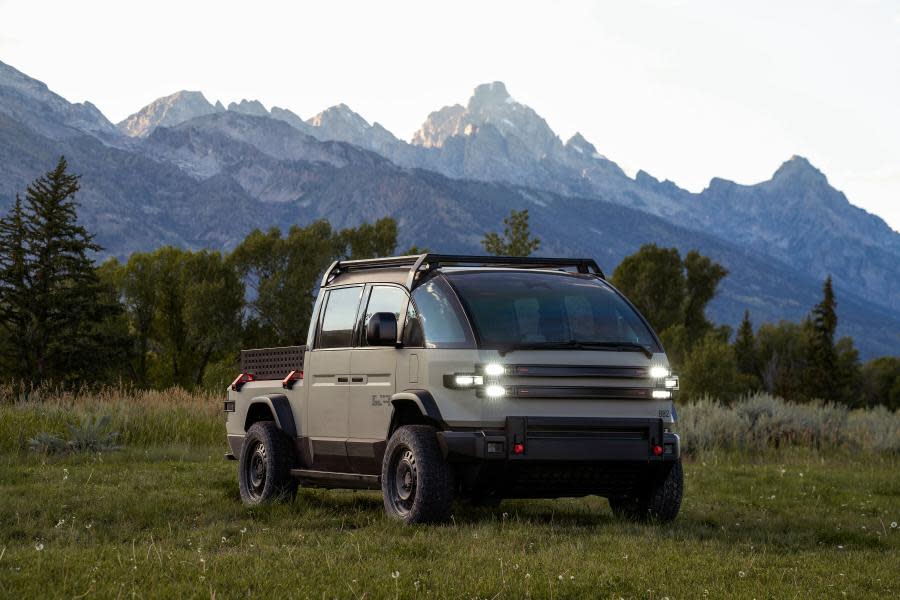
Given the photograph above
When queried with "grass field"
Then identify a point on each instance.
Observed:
(781, 501)
(167, 522)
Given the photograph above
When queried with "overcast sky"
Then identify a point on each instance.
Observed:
(686, 90)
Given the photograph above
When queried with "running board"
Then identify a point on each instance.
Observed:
(331, 479)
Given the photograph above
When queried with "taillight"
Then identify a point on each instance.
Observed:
(292, 378)
(241, 379)
(657, 450)
(518, 448)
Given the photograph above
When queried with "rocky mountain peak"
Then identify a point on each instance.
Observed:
(254, 108)
(797, 168)
(581, 146)
(440, 125)
(338, 116)
(33, 102)
(168, 111)
(487, 95)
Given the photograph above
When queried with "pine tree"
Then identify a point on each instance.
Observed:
(745, 347)
(516, 239)
(64, 302)
(821, 373)
(14, 296)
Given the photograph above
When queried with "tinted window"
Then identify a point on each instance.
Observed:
(511, 309)
(436, 320)
(340, 315)
(384, 298)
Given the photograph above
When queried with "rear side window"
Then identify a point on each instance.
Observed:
(340, 315)
(435, 319)
(383, 299)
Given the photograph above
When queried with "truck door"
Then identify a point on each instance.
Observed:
(328, 375)
(373, 382)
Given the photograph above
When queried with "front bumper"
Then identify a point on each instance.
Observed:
(564, 440)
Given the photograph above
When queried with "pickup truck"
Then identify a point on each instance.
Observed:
(433, 377)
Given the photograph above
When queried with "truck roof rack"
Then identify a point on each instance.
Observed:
(419, 263)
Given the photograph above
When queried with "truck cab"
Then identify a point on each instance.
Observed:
(433, 377)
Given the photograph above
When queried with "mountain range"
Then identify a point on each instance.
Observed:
(185, 171)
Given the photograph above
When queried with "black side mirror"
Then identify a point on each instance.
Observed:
(382, 329)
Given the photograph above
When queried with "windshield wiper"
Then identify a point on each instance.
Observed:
(576, 345)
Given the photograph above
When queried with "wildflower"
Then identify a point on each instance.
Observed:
(840, 547)
(893, 524)
(741, 574)
(243, 530)
(60, 523)
(39, 546)
(527, 575)
(224, 539)
(395, 574)
(89, 525)
(560, 577)
(65, 474)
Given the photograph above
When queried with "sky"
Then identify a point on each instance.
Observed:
(685, 90)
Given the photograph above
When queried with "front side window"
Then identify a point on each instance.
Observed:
(435, 320)
(509, 310)
(340, 315)
(383, 299)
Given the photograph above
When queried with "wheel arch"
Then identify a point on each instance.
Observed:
(414, 407)
(272, 407)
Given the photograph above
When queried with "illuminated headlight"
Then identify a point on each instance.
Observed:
(494, 391)
(468, 380)
(672, 383)
(658, 372)
(461, 381)
(494, 370)
(661, 394)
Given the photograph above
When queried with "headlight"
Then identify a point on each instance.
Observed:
(494, 391)
(661, 394)
(494, 370)
(658, 372)
(460, 381)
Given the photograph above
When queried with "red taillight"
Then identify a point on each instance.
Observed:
(241, 379)
(657, 450)
(518, 448)
(292, 378)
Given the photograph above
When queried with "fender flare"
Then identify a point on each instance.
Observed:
(281, 410)
(422, 400)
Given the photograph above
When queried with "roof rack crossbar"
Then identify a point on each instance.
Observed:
(430, 261)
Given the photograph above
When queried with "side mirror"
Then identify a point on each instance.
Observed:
(382, 329)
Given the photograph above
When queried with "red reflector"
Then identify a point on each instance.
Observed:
(657, 450)
(241, 379)
(293, 376)
(518, 448)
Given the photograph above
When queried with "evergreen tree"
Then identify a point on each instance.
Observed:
(745, 347)
(822, 377)
(61, 300)
(516, 239)
(14, 319)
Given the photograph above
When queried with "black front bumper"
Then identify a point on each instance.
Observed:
(564, 440)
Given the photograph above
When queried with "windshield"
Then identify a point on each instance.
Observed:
(519, 310)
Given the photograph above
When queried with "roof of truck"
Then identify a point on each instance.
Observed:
(408, 270)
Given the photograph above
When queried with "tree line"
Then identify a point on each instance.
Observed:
(179, 317)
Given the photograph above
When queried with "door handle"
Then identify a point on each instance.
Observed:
(342, 380)
(357, 379)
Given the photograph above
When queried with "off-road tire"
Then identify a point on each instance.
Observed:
(416, 481)
(659, 500)
(264, 470)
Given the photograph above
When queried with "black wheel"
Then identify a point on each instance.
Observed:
(415, 479)
(264, 471)
(659, 500)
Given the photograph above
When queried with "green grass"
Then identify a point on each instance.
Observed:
(168, 522)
